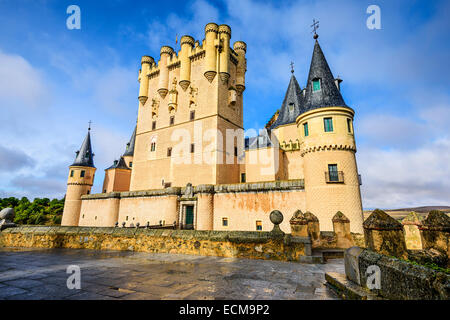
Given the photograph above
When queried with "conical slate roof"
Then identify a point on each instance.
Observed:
(292, 105)
(85, 157)
(129, 151)
(328, 95)
(119, 164)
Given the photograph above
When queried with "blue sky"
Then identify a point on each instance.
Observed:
(54, 80)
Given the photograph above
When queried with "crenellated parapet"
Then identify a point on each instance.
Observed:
(217, 56)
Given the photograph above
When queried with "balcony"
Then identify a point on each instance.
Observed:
(334, 177)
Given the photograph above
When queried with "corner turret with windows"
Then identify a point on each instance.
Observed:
(79, 182)
(328, 148)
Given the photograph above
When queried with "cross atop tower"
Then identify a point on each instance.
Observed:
(315, 26)
(90, 122)
(292, 67)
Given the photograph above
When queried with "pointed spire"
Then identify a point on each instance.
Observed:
(85, 157)
(321, 90)
(129, 151)
(119, 164)
(292, 104)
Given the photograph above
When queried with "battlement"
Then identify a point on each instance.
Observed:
(214, 56)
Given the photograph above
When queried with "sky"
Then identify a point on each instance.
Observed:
(54, 80)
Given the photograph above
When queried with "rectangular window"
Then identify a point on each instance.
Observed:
(153, 125)
(235, 151)
(153, 146)
(225, 222)
(328, 124)
(169, 152)
(131, 164)
(82, 173)
(333, 172)
(71, 173)
(192, 147)
(316, 85)
(172, 120)
(242, 177)
(258, 225)
(349, 125)
(192, 115)
(305, 129)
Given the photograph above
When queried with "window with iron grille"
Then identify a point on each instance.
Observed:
(192, 147)
(172, 120)
(333, 172)
(305, 129)
(169, 152)
(82, 173)
(153, 125)
(192, 115)
(225, 222)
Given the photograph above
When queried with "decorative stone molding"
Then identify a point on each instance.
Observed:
(211, 27)
(147, 59)
(187, 40)
(240, 45)
(306, 150)
(166, 50)
(210, 75)
(223, 28)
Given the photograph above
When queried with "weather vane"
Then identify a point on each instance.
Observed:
(292, 67)
(315, 26)
(90, 122)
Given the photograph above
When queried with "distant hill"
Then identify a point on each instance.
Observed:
(424, 209)
(399, 214)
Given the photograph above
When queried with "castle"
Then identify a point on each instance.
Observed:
(188, 162)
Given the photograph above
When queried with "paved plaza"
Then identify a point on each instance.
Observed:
(41, 274)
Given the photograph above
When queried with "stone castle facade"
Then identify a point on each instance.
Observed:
(189, 163)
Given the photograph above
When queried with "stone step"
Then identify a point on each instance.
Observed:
(347, 289)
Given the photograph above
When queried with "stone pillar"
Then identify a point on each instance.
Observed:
(385, 235)
(435, 232)
(313, 227)
(341, 228)
(299, 225)
(411, 225)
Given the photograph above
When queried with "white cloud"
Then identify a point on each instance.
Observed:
(395, 179)
(20, 82)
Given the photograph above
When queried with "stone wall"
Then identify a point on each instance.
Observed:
(242, 204)
(252, 245)
(398, 279)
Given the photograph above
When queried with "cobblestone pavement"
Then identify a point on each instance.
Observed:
(41, 274)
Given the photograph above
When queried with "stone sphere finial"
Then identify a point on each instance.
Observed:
(276, 217)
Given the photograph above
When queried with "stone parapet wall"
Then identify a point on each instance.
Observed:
(237, 244)
(285, 185)
(398, 279)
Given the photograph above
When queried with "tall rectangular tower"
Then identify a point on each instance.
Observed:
(187, 102)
